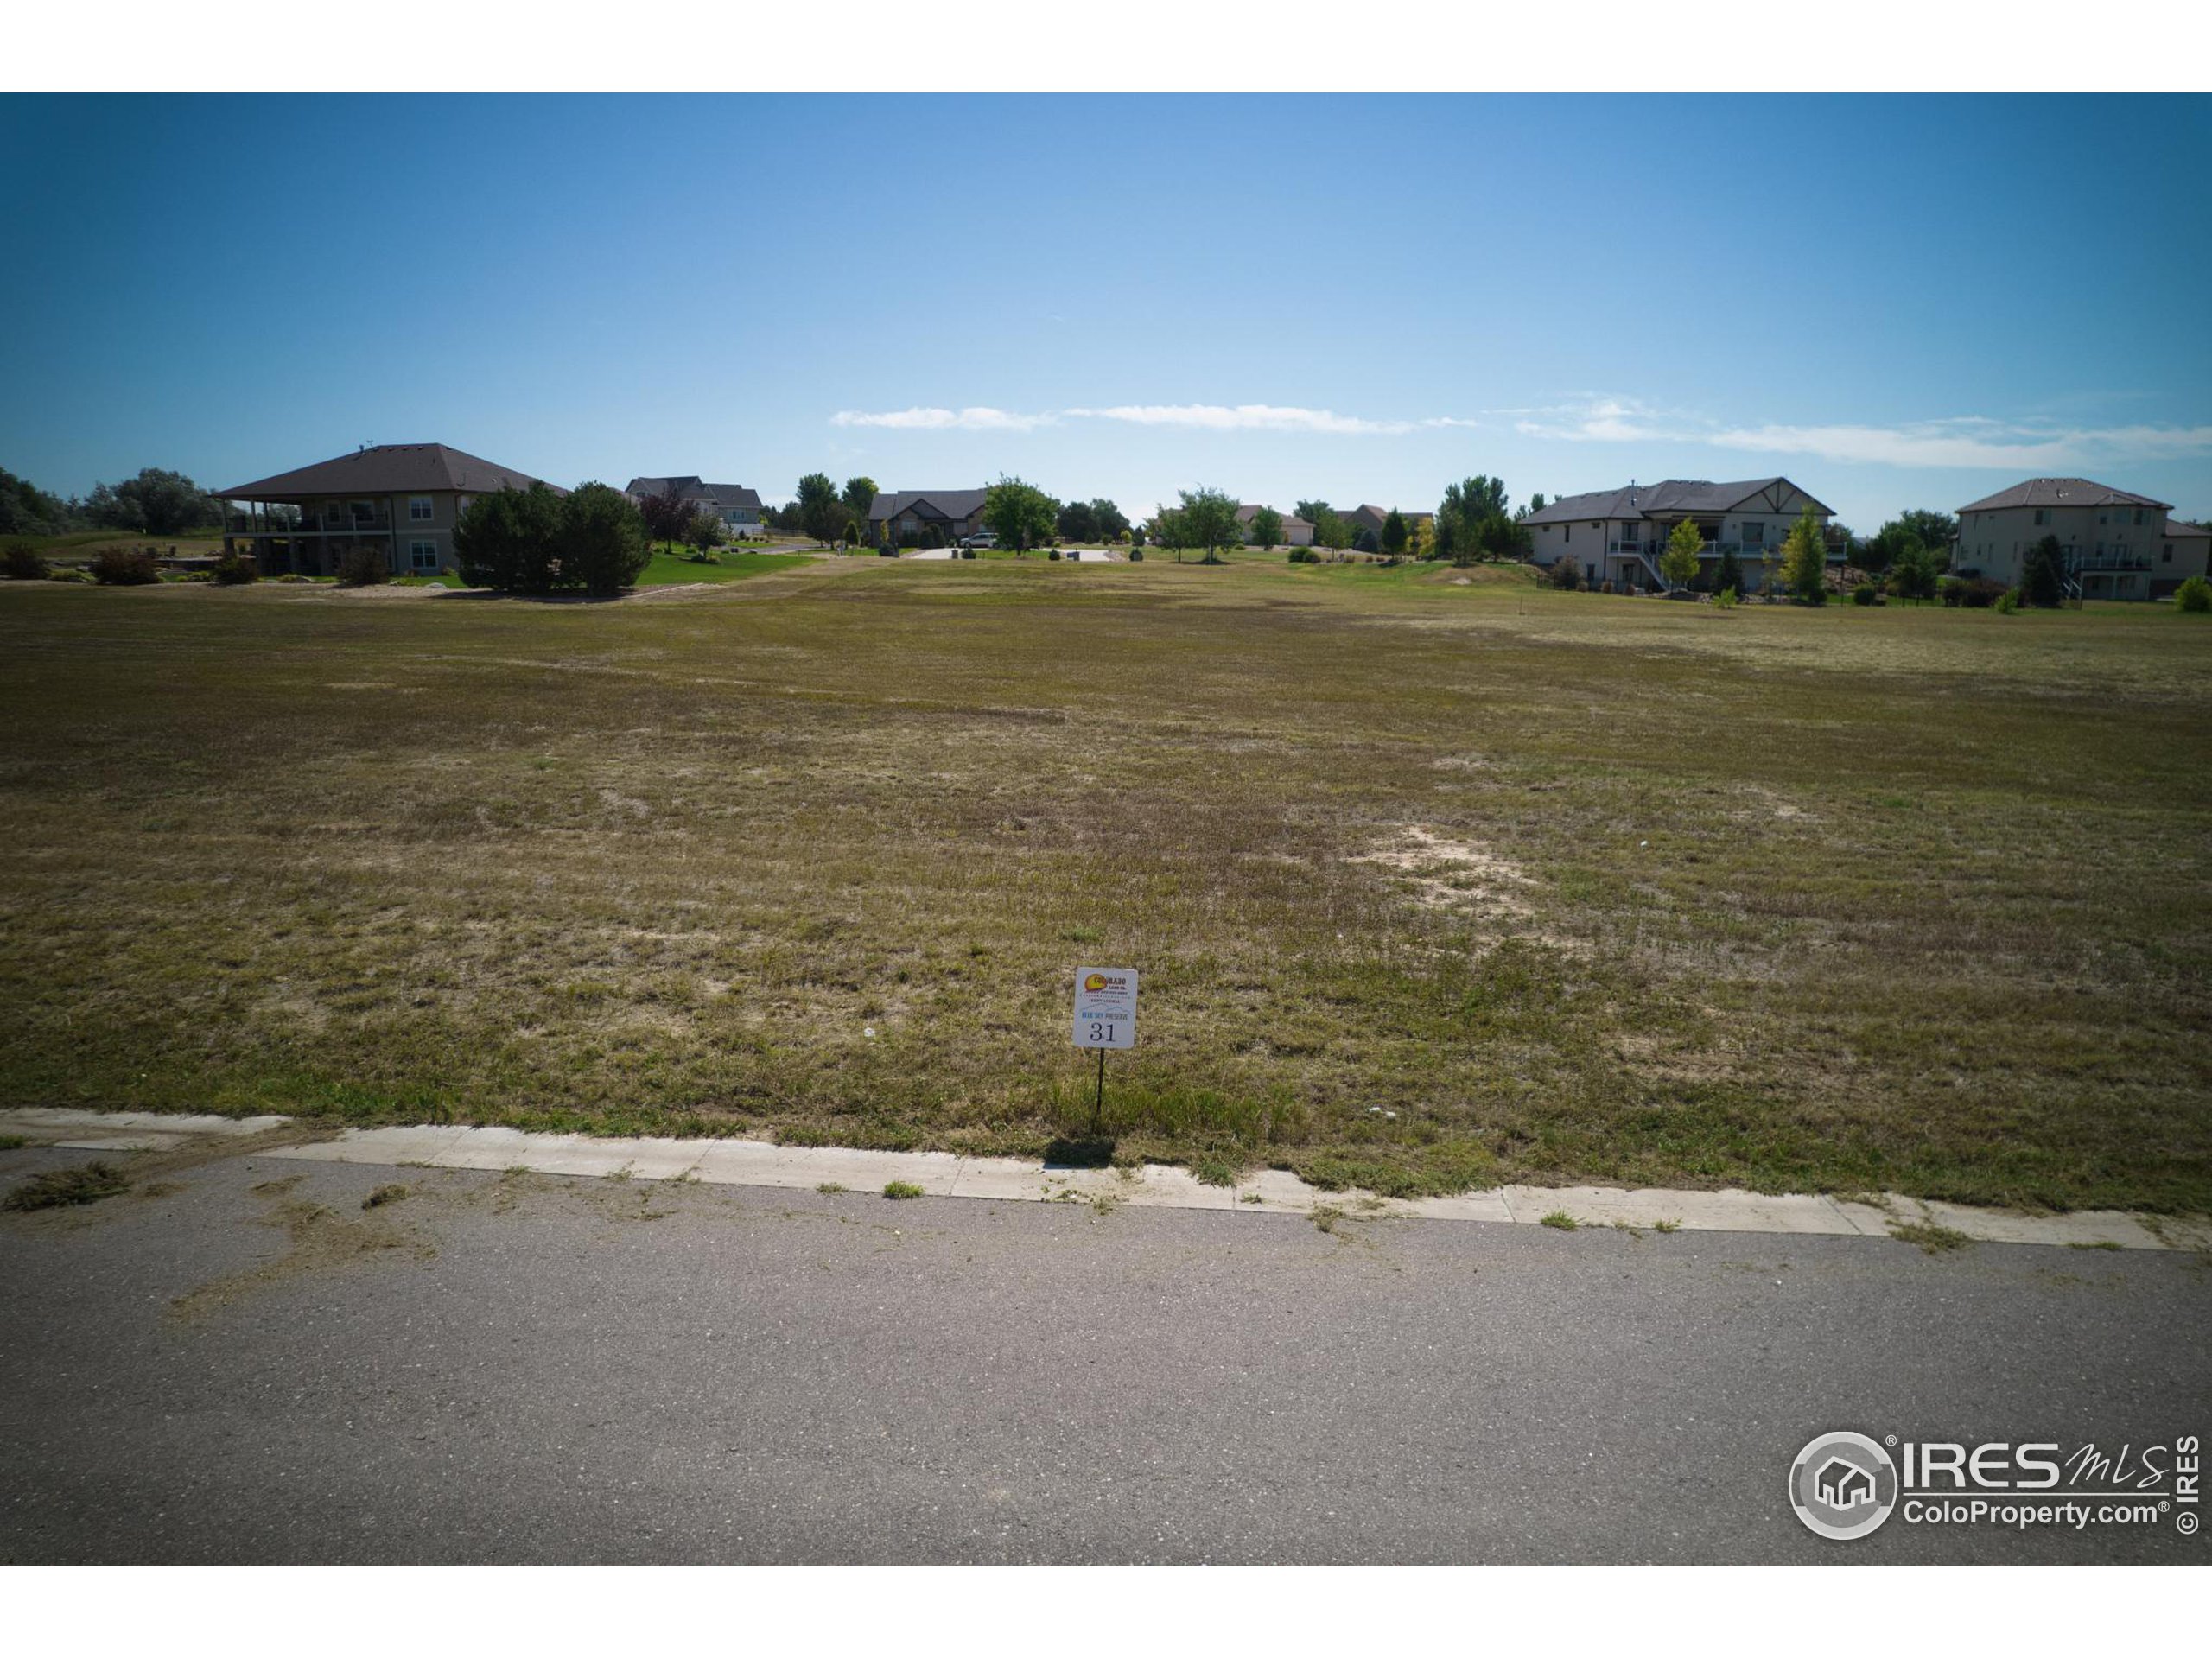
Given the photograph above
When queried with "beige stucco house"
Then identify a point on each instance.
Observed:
(1616, 536)
(2116, 542)
(402, 500)
(1296, 532)
(2184, 550)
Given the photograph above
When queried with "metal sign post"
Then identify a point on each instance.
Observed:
(1105, 1017)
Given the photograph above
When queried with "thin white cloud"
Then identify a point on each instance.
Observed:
(1960, 442)
(1210, 418)
(975, 418)
(1243, 417)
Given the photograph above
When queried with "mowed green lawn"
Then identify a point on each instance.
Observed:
(667, 568)
(1433, 880)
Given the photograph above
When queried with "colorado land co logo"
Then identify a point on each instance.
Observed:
(1843, 1485)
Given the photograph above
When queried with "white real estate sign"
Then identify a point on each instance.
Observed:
(1105, 1007)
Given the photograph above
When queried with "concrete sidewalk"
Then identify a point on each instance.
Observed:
(943, 1175)
(757, 1163)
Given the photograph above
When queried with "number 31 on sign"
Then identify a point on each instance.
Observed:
(1105, 1007)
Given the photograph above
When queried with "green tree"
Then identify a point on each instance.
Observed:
(1881, 551)
(704, 530)
(26, 510)
(1679, 563)
(601, 540)
(1113, 523)
(1394, 534)
(1464, 517)
(858, 496)
(2194, 596)
(1020, 514)
(1728, 578)
(2043, 581)
(154, 503)
(1805, 560)
(1207, 519)
(1936, 531)
(822, 513)
(1329, 528)
(506, 540)
(1310, 512)
(1168, 531)
(1078, 522)
(1266, 529)
(1912, 570)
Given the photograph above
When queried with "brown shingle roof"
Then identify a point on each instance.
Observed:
(1669, 496)
(952, 503)
(2063, 492)
(387, 469)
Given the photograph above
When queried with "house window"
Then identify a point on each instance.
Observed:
(2138, 515)
(1754, 532)
(2166, 555)
(423, 555)
(364, 512)
(1566, 532)
(418, 509)
(2043, 515)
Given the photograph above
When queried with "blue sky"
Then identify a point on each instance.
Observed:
(1896, 301)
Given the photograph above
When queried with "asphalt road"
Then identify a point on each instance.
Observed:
(536, 1369)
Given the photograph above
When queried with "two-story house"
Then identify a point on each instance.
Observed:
(738, 507)
(1618, 535)
(924, 518)
(2112, 539)
(2184, 550)
(402, 500)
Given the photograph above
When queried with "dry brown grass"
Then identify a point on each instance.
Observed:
(1895, 898)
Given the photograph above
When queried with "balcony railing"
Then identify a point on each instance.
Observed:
(243, 524)
(1705, 549)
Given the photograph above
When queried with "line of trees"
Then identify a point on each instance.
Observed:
(155, 502)
(1203, 520)
(1021, 515)
(1473, 522)
(534, 541)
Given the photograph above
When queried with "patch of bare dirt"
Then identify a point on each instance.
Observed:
(1449, 873)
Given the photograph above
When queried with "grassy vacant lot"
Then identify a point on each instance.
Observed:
(1433, 880)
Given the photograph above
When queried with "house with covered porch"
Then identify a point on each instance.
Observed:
(400, 499)
(2114, 542)
(1618, 535)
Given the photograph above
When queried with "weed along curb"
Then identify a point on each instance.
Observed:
(1929, 1225)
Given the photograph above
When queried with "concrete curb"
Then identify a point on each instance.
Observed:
(758, 1163)
(1267, 1191)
